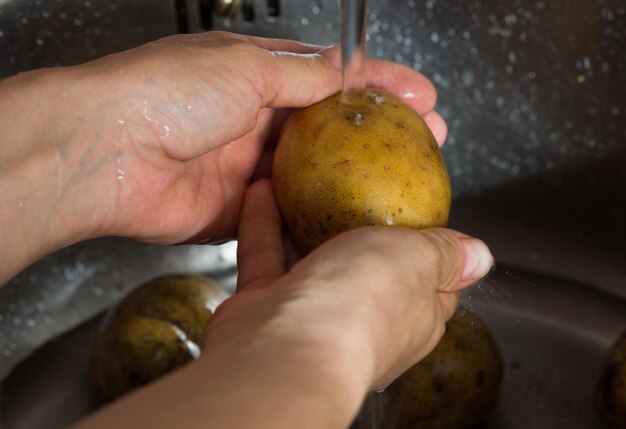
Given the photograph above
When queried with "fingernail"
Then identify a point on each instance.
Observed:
(478, 259)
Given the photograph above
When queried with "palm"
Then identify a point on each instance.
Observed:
(192, 200)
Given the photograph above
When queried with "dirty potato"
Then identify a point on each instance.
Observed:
(611, 390)
(334, 171)
(451, 388)
(158, 327)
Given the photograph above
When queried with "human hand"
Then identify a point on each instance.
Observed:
(194, 130)
(159, 142)
(302, 347)
(393, 288)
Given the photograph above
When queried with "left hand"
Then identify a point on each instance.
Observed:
(195, 129)
(160, 142)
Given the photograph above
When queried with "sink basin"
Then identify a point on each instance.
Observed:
(553, 334)
(533, 95)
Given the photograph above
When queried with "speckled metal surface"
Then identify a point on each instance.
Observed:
(533, 92)
(42, 33)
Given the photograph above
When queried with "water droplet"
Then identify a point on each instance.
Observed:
(389, 220)
(468, 77)
(510, 19)
(607, 15)
(358, 119)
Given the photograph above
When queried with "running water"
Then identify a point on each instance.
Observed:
(353, 55)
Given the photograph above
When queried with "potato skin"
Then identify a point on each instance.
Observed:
(331, 175)
(158, 327)
(611, 389)
(451, 388)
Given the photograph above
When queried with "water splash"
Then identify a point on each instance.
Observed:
(145, 111)
(121, 174)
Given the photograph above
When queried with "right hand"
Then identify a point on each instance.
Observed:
(380, 295)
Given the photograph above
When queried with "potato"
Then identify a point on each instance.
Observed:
(611, 390)
(453, 387)
(158, 327)
(332, 173)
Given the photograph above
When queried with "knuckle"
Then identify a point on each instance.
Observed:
(438, 256)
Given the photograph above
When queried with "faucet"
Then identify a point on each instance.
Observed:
(229, 9)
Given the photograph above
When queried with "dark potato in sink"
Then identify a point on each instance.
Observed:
(155, 329)
(611, 391)
(452, 388)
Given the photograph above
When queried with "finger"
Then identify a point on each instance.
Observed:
(260, 253)
(448, 260)
(283, 45)
(437, 126)
(448, 302)
(411, 86)
(248, 78)
(296, 80)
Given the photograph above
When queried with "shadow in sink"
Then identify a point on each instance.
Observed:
(569, 222)
(50, 389)
(554, 337)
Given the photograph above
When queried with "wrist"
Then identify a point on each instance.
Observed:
(313, 384)
(288, 350)
(45, 167)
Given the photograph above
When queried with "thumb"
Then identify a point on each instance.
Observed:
(460, 259)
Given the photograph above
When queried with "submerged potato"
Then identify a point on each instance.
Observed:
(611, 390)
(451, 388)
(155, 329)
(332, 173)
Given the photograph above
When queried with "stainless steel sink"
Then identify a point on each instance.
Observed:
(533, 95)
